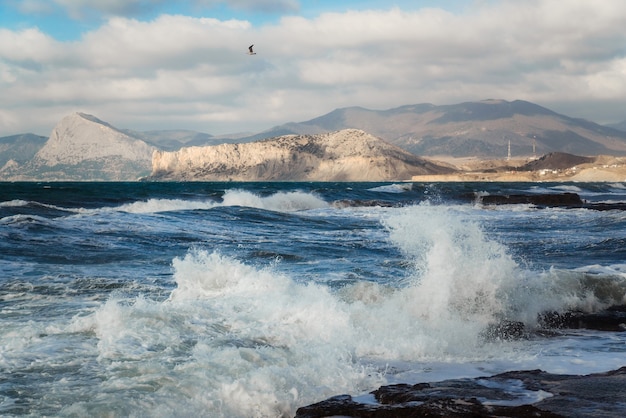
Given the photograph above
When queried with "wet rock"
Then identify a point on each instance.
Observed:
(505, 330)
(600, 394)
(542, 200)
(344, 406)
(605, 206)
(549, 200)
(611, 319)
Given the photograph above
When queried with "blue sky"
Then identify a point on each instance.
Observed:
(158, 64)
(67, 20)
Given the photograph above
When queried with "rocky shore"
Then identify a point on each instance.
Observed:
(554, 167)
(527, 393)
(557, 395)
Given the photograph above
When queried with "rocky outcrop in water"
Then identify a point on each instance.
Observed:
(347, 155)
(541, 200)
(531, 393)
(554, 395)
(548, 200)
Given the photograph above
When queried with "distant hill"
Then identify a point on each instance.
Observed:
(480, 129)
(19, 149)
(347, 155)
(82, 147)
(172, 140)
(556, 161)
(619, 126)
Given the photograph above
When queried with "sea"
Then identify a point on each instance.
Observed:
(229, 299)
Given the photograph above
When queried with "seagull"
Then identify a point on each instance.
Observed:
(251, 52)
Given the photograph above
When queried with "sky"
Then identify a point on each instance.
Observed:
(159, 64)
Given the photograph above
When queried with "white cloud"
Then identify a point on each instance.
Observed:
(80, 9)
(32, 6)
(266, 6)
(27, 46)
(83, 9)
(180, 71)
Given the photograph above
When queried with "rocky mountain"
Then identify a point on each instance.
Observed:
(346, 155)
(479, 129)
(82, 147)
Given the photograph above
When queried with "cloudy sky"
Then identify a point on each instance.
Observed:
(159, 64)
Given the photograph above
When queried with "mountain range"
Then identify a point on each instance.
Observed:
(477, 129)
(83, 147)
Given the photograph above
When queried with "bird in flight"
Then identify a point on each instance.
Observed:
(250, 51)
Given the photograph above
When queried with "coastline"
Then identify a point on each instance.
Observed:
(603, 169)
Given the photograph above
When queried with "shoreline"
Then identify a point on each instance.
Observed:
(603, 169)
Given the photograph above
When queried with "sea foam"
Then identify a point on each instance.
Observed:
(255, 341)
(291, 343)
(280, 202)
(248, 340)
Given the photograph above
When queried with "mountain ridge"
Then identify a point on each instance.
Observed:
(481, 129)
(346, 155)
(92, 149)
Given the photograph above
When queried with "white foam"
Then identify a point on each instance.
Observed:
(567, 188)
(262, 344)
(458, 271)
(165, 205)
(281, 202)
(619, 186)
(393, 188)
(13, 203)
(238, 340)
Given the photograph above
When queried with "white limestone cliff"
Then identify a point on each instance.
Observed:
(83, 148)
(79, 137)
(346, 155)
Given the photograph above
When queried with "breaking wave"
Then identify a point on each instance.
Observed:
(259, 342)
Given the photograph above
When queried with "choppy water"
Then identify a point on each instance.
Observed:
(252, 299)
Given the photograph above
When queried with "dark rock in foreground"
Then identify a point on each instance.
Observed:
(599, 395)
(535, 394)
(611, 319)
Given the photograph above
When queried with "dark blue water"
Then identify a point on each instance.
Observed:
(251, 299)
